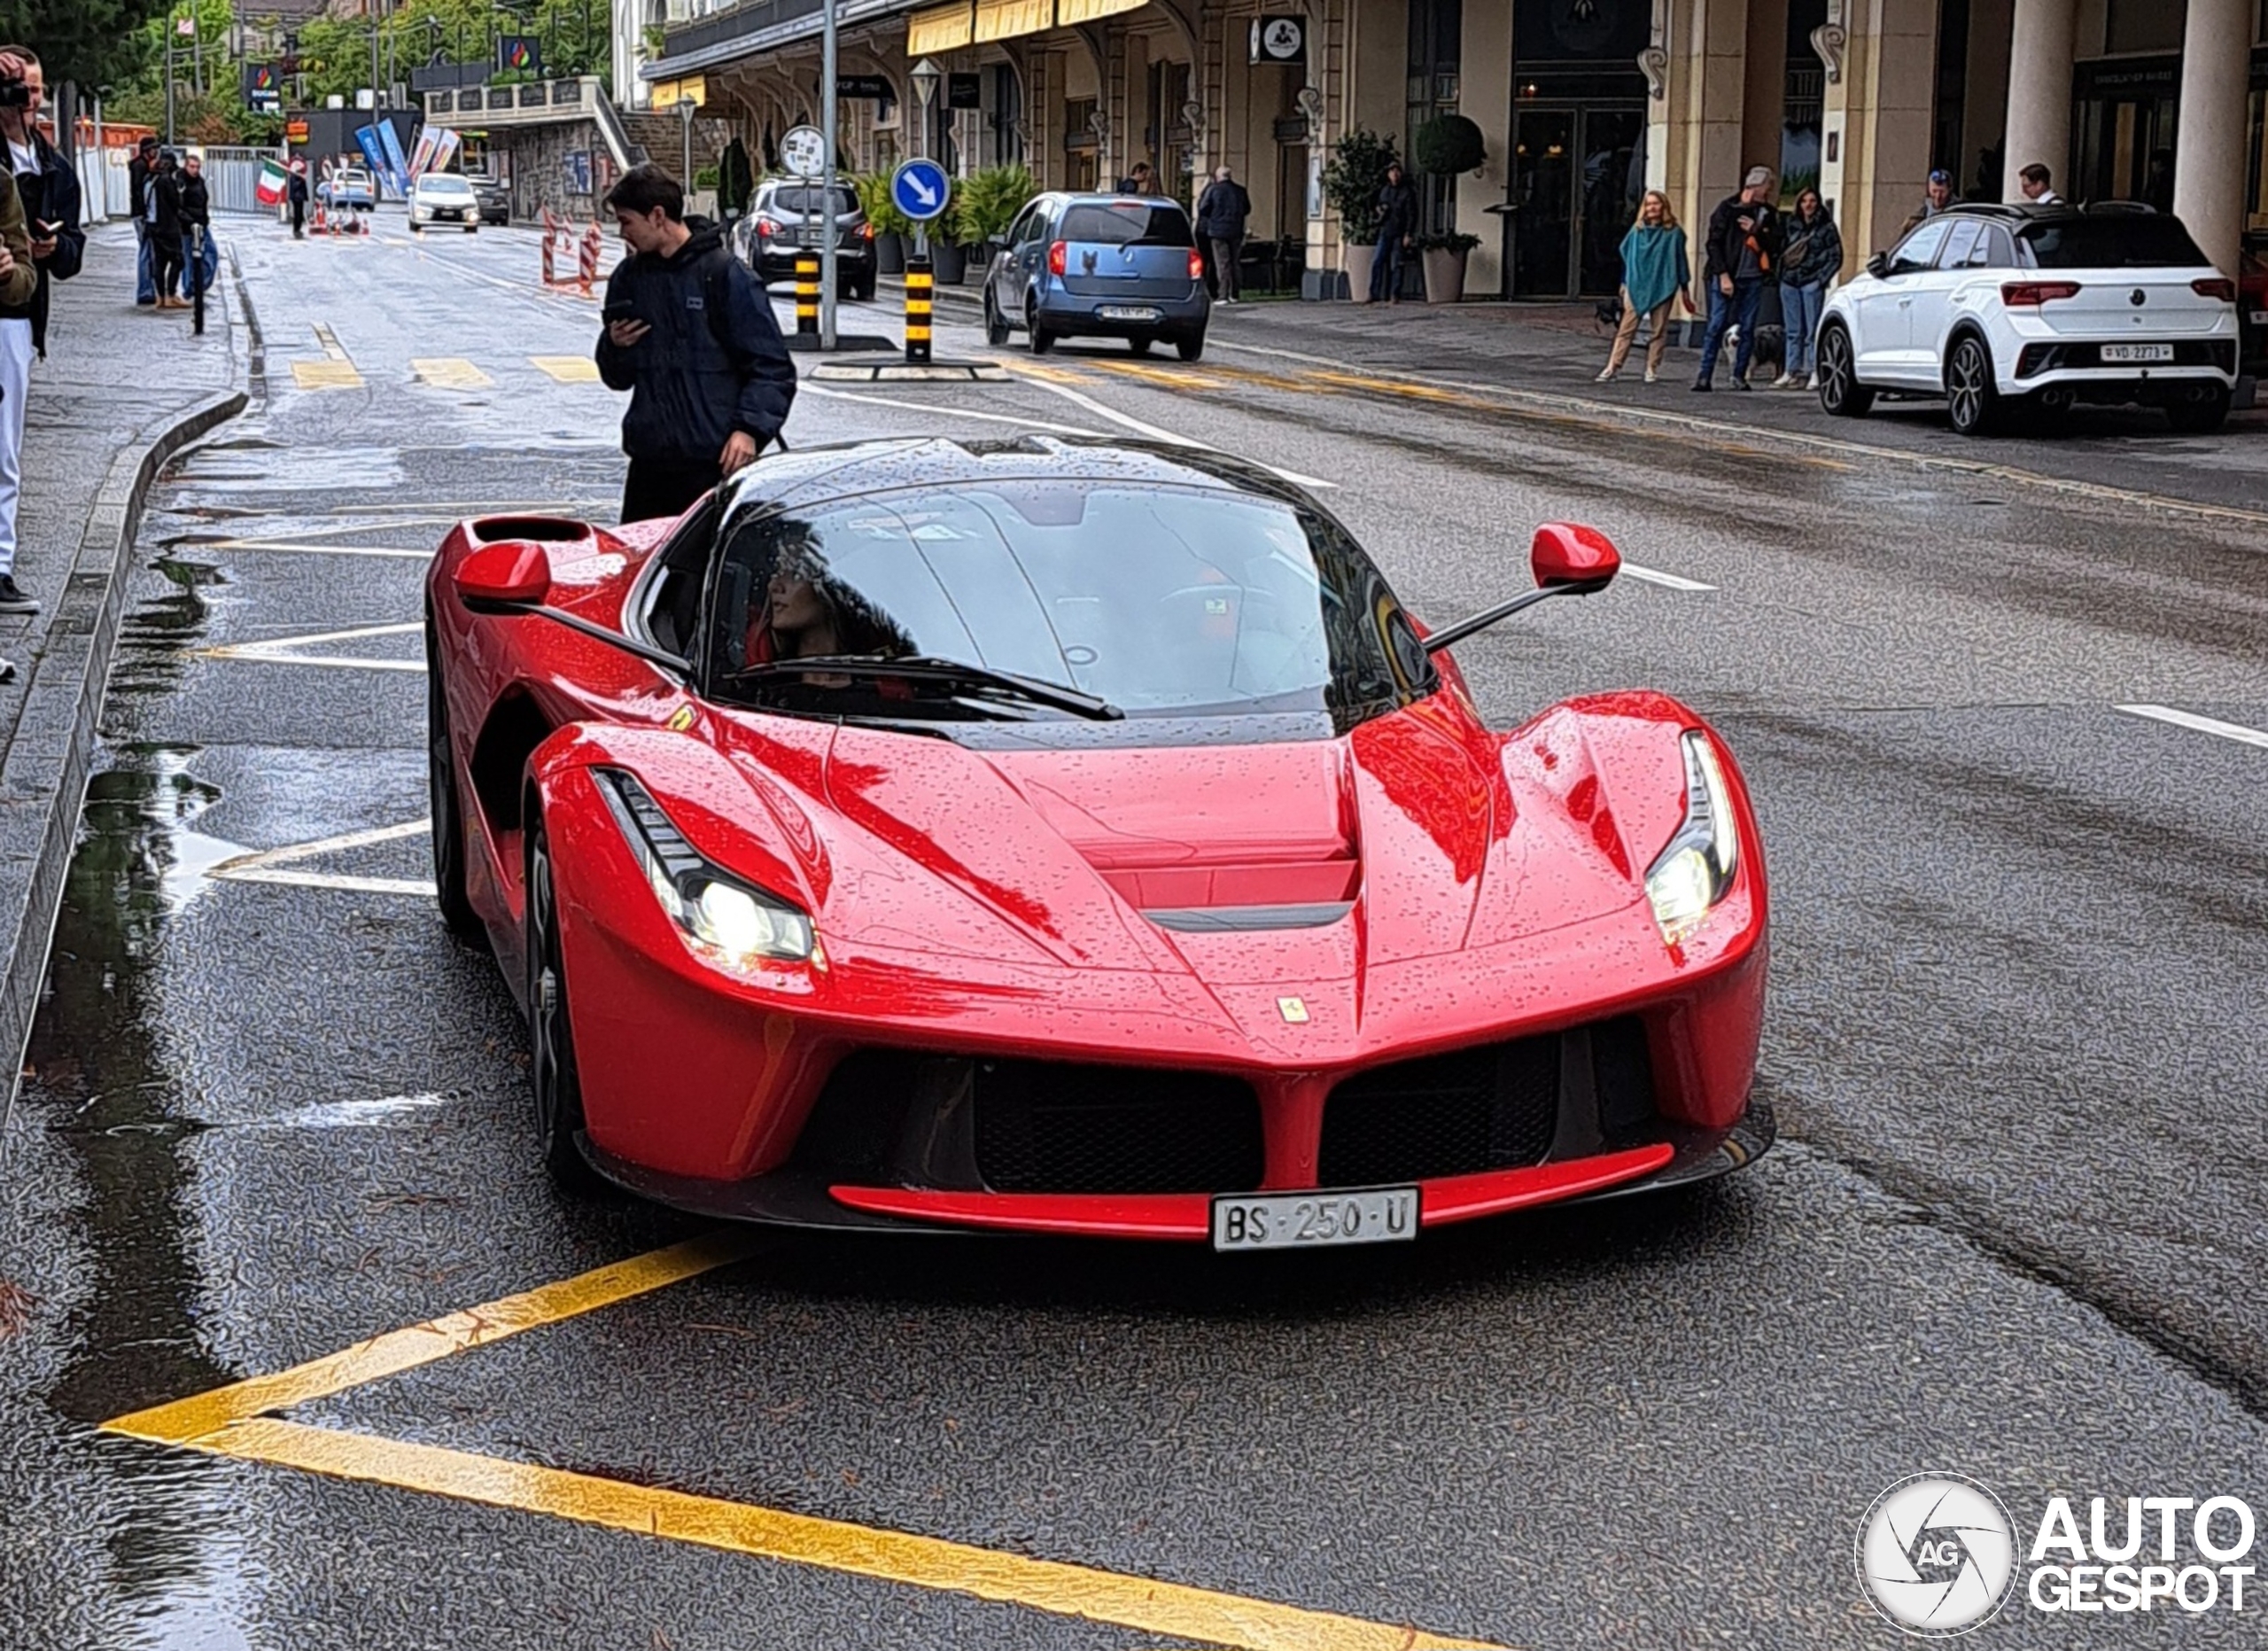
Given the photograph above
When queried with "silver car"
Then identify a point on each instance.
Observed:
(1100, 266)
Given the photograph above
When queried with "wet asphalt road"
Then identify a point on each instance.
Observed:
(2016, 1226)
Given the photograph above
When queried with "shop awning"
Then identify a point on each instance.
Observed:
(1071, 12)
(1005, 20)
(939, 28)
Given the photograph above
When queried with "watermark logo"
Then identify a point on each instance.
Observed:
(1937, 1554)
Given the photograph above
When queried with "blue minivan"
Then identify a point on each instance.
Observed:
(1100, 266)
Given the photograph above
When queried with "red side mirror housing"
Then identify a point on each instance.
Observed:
(1568, 553)
(513, 570)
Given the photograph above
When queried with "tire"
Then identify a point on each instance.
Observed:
(1972, 399)
(2200, 418)
(1040, 338)
(553, 1079)
(447, 810)
(866, 292)
(1190, 346)
(996, 330)
(1141, 344)
(1841, 395)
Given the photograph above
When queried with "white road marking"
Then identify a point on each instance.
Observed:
(277, 864)
(956, 412)
(284, 650)
(1672, 581)
(308, 549)
(350, 1114)
(2236, 731)
(1155, 433)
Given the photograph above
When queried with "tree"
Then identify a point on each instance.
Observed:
(91, 43)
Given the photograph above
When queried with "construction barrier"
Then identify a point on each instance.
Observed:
(586, 263)
(807, 295)
(559, 239)
(920, 287)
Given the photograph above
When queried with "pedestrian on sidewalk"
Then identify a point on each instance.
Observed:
(137, 191)
(200, 255)
(1139, 180)
(1656, 272)
(2038, 185)
(1742, 251)
(1397, 227)
(19, 289)
(1937, 196)
(1811, 260)
(162, 213)
(1222, 211)
(691, 335)
(48, 186)
(295, 191)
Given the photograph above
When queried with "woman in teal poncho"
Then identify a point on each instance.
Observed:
(1655, 274)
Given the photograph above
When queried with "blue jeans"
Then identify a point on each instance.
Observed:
(1799, 307)
(145, 272)
(1724, 310)
(1385, 268)
(189, 261)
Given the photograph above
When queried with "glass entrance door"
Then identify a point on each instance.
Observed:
(1577, 176)
(1543, 201)
(1614, 180)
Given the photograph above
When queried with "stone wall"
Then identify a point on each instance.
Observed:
(541, 175)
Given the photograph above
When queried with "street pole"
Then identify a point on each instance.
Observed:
(829, 118)
(169, 93)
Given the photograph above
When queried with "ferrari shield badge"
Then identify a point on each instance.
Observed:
(1294, 1011)
(681, 719)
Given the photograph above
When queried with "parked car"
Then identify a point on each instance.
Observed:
(1995, 306)
(789, 217)
(440, 198)
(348, 187)
(495, 198)
(1100, 266)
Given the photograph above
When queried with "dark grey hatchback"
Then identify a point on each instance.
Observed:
(1100, 266)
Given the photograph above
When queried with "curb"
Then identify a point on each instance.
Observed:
(45, 769)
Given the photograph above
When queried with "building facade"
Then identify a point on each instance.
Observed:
(1583, 104)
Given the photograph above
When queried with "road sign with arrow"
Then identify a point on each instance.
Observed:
(921, 190)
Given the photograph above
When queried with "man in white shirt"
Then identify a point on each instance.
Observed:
(2036, 183)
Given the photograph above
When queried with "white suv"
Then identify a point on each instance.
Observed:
(2036, 305)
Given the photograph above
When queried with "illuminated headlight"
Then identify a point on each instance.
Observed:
(727, 924)
(1696, 870)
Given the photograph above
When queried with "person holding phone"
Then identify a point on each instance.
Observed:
(46, 188)
(689, 333)
(1742, 251)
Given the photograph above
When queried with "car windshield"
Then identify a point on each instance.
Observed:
(444, 186)
(1161, 601)
(1127, 223)
(795, 200)
(2121, 241)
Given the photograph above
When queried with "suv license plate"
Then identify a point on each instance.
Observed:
(1127, 312)
(1308, 1220)
(2138, 352)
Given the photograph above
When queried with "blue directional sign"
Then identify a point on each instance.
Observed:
(921, 190)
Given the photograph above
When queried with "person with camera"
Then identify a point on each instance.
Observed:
(691, 335)
(201, 254)
(40, 238)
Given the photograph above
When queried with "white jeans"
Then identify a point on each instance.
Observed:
(15, 390)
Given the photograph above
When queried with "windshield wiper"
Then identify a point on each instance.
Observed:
(924, 668)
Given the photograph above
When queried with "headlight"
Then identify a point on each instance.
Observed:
(729, 924)
(1696, 870)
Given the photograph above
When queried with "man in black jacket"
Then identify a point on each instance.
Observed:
(161, 211)
(137, 191)
(295, 191)
(200, 255)
(1221, 212)
(691, 335)
(1742, 253)
(1397, 225)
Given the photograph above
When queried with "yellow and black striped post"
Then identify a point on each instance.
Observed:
(921, 285)
(806, 295)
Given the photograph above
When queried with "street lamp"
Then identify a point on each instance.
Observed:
(925, 76)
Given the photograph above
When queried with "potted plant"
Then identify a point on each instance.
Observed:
(1351, 183)
(985, 204)
(1444, 255)
(893, 229)
(1447, 144)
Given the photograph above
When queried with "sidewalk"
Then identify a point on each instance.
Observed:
(122, 388)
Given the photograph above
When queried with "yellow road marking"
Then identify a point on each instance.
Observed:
(331, 347)
(1051, 1586)
(326, 375)
(186, 1421)
(567, 368)
(449, 372)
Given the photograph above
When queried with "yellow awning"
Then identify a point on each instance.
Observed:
(668, 94)
(1071, 12)
(940, 28)
(1004, 19)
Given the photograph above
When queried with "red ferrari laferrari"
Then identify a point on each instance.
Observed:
(1075, 838)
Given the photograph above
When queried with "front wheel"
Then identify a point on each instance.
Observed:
(551, 1073)
(1190, 346)
(1972, 399)
(865, 291)
(2200, 418)
(1840, 393)
(996, 329)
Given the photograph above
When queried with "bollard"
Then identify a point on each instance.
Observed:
(550, 231)
(920, 285)
(806, 295)
(587, 264)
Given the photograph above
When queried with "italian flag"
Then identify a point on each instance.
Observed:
(272, 177)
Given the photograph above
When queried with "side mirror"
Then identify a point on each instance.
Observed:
(1567, 553)
(512, 573)
(1878, 266)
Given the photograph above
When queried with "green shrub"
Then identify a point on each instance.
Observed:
(875, 201)
(986, 203)
(1449, 144)
(1353, 179)
(1448, 241)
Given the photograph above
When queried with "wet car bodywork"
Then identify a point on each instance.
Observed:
(1071, 975)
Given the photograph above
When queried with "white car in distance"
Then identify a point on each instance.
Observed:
(1997, 307)
(444, 198)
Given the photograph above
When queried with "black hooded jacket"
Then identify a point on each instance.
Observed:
(714, 363)
(53, 198)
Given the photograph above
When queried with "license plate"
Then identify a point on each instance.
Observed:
(1127, 312)
(1308, 1220)
(2138, 352)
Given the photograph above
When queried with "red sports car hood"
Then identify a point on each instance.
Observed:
(1418, 834)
